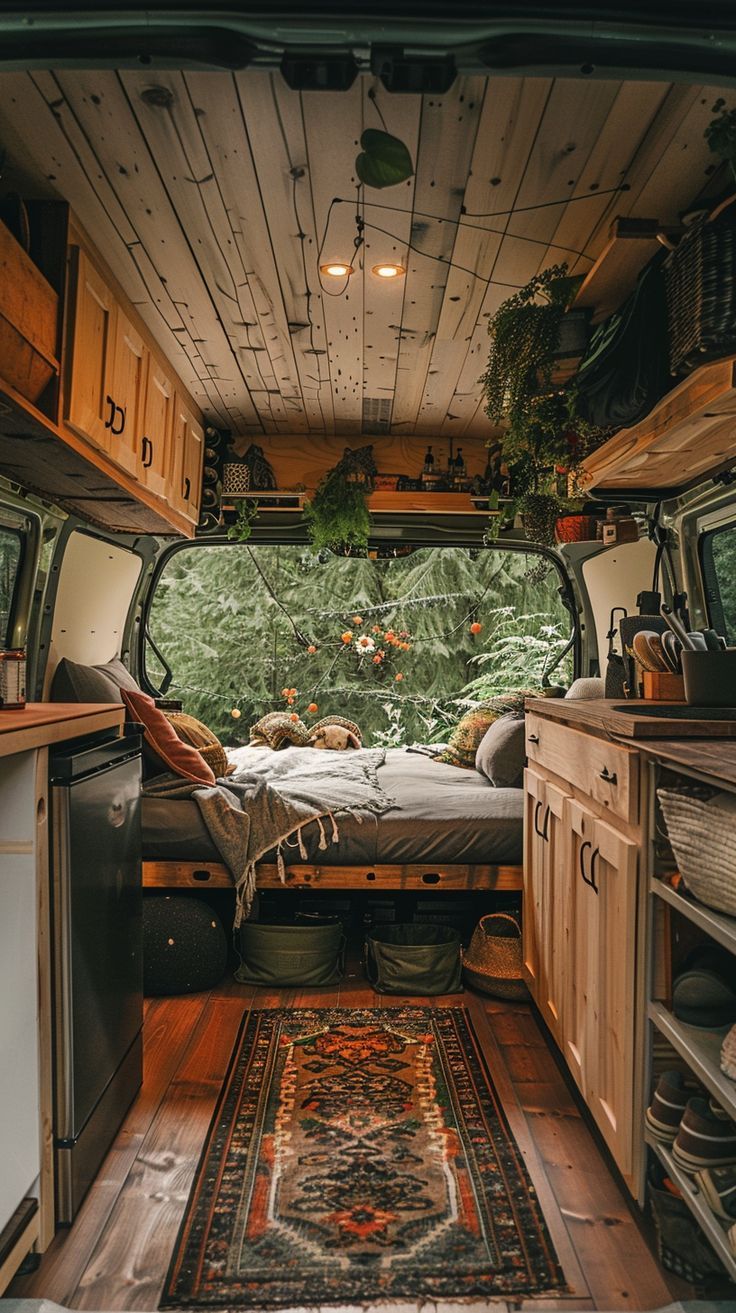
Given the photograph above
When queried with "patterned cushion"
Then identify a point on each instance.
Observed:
(192, 731)
(472, 728)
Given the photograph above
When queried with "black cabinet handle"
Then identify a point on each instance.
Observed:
(147, 453)
(111, 417)
(589, 878)
(117, 431)
(604, 775)
(532, 738)
(535, 822)
(187, 489)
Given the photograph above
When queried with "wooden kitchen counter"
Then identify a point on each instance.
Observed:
(40, 724)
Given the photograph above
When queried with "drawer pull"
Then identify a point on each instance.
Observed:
(609, 778)
(532, 738)
(589, 878)
(544, 832)
(147, 453)
(187, 489)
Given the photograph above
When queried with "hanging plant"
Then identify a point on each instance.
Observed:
(384, 160)
(246, 513)
(337, 516)
(720, 134)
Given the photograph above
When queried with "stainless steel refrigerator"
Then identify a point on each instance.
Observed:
(97, 949)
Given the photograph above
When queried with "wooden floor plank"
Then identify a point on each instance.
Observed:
(117, 1253)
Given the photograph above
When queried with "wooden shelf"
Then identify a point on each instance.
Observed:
(687, 437)
(701, 1050)
(709, 1223)
(631, 245)
(424, 503)
(717, 925)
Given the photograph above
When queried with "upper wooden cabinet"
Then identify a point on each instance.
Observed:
(187, 459)
(123, 398)
(88, 405)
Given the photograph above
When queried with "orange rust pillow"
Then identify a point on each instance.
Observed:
(178, 756)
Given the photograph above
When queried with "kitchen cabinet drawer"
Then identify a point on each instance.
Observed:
(158, 419)
(186, 461)
(604, 771)
(127, 391)
(88, 403)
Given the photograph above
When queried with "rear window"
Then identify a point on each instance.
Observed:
(719, 568)
(402, 645)
(10, 560)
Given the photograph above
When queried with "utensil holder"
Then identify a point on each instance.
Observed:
(710, 678)
(663, 686)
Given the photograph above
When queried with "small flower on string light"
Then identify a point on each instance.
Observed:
(347, 637)
(312, 707)
(293, 716)
(311, 649)
(476, 627)
(389, 635)
(285, 692)
(364, 643)
(398, 677)
(357, 620)
(377, 659)
(236, 713)
(376, 629)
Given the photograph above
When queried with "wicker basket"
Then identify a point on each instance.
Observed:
(701, 824)
(493, 961)
(235, 477)
(700, 281)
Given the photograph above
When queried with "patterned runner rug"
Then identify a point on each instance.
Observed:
(359, 1154)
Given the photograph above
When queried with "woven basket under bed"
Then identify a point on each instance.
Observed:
(701, 825)
(492, 963)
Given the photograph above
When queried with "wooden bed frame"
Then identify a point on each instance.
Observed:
(214, 875)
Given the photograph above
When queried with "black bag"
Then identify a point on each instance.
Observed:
(414, 959)
(625, 370)
(615, 669)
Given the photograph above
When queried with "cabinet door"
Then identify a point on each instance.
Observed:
(580, 916)
(534, 876)
(158, 413)
(129, 364)
(610, 1076)
(88, 403)
(544, 927)
(187, 457)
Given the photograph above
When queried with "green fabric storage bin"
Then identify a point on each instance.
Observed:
(291, 954)
(414, 959)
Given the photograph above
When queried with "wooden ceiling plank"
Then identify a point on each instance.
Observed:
(192, 185)
(220, 117)
(275, 130)
(448, 132)
(98, 103)
(52, 148)
(574, 113)
(631, 116)
(332, 129)
(510, 119)
(383, 299)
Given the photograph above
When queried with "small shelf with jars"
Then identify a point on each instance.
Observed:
(443, 488)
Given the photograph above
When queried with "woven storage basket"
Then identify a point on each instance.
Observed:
(235, 477)
(702, 829)
(493, 961)
(700, 282)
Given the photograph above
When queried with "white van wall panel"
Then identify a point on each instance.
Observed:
(96, 585)
(615, 577)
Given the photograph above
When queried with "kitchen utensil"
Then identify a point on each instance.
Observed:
(697, 638)
(647, 648)
(671, 648)
(677, 627)
(712, 641)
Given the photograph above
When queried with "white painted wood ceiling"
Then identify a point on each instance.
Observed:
(210, 205)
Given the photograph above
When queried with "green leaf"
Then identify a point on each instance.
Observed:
(385, 160)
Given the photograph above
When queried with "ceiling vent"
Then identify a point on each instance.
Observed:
(377, 414)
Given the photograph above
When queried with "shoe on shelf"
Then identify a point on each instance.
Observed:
(703, 1140)
(718, 1187)
(664, 1114)
(728, 1054)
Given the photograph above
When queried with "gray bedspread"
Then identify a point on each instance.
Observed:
(440, 814)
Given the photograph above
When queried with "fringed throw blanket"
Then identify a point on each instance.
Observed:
(271, 797)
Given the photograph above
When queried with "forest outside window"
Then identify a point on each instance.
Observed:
(403, 646)
(719, 567)
(11, 551)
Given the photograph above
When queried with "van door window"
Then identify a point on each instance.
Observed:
(11, 550)
(719, 569)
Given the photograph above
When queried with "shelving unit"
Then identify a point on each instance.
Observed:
(698, 1048)
(709, 1223)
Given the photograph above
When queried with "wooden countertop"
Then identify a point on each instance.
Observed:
(39, 724)
(631, 724)
(712, 761)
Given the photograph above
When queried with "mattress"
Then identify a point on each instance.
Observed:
(440, 814)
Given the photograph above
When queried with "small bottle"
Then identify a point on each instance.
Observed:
(12, 679)
(429, 462)
(459, 471)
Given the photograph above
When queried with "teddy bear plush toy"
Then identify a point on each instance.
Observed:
(335, 737)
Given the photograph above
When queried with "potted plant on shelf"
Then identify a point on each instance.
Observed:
(547, 436)
(337, 516)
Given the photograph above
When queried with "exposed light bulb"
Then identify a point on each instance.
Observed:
(337, 269)
(388, 270)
